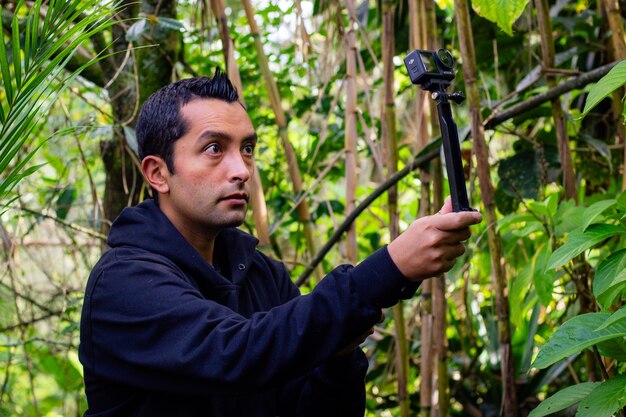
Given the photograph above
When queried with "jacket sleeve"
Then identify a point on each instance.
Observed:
(145, 325)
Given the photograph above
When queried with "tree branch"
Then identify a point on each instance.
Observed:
(589, 77)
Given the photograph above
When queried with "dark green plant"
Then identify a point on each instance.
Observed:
(32, 64)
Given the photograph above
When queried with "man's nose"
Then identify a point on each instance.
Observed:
(239, 168)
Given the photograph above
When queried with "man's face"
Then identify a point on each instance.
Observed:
(213, 162)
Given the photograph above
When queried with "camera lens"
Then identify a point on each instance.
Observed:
(445, 57)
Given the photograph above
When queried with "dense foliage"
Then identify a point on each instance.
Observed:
(75, 71)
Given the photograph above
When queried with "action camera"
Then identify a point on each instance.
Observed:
(430, 69)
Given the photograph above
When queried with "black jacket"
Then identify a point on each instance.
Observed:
(163, 333)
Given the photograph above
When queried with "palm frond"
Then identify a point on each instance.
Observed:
(33, 73)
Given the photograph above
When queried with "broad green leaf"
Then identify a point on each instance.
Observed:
(520, 175)
(539, 207)
(502, 12)
(610, 278)
(515, 219)
(613, 348)
(605, 86)
(518, 292)
(569, 217)
(596, 209)
(580, 240)
(552, 203)
(617, 316)
(576, 334)
(605, 400)
(543, 278)
(563, 399)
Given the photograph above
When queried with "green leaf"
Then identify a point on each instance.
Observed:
(543, 278)
(576, 334)
(605, 400)
(563, 399)
(580, 240)
(65, 201)
(518, 293)
(169, 23)
(610, 278)
(5, 69)
(48, 48)
(519, 175)
(134, 32)
(615, 317)
(613, 348)
(596, 209)
(515, 219)
(552, 203)
(621, 202)
(605, 86)
(502, 12)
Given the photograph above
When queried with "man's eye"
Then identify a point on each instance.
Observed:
(248, 149)
(212, 149)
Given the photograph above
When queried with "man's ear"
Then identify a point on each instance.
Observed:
(155, 171)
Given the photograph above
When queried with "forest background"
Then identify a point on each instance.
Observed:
(530, 320)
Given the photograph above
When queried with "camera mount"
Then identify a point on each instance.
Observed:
(433, 70)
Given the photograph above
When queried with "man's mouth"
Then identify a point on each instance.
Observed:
(236, 197)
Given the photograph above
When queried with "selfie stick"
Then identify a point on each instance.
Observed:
(433, 70)
(452, 149)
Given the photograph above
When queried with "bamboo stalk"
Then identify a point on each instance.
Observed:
(466, 42)
(351, 134)
(438, 308)
(391, 158)
(281, 122)
(614, 18)
(547, 52)
(257, 197)
(421, 13)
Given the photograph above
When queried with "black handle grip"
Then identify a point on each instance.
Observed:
(452, 154)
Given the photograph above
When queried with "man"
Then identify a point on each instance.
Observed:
(184, 317)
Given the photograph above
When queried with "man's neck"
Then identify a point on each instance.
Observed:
(202, 240)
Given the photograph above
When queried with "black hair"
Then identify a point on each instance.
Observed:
(160, 123)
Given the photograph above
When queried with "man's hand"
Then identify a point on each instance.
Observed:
(431, 244)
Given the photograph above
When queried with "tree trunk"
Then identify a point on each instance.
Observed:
(466, 43)
(257, 198)
(547, 52)
(131, 77)
(281, 122)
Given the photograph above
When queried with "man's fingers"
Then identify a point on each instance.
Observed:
(447, 206)
(455, 221)
(457, 235)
